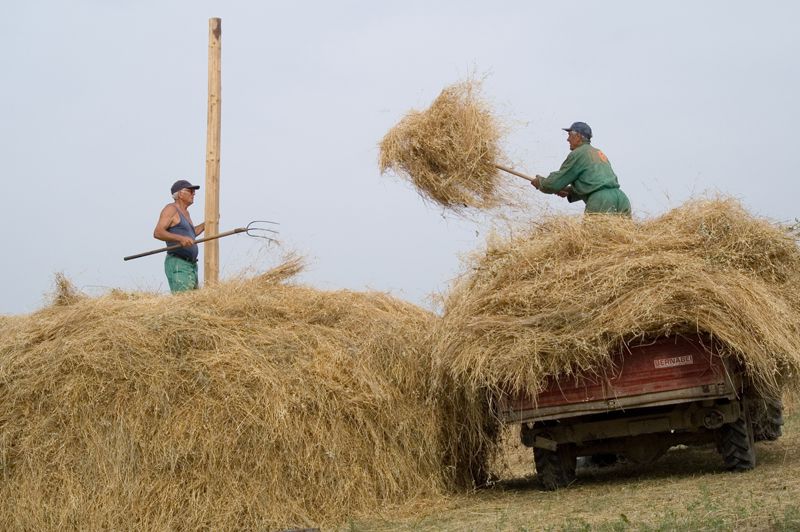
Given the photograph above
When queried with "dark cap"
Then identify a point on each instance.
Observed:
(582, 128)
(180, 184)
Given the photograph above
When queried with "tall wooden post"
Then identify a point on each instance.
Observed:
(211, 251)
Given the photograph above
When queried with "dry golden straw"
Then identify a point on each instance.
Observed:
(449, 151)
(562, 296)
(253, 405)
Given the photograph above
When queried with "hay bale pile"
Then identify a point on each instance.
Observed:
(254, 405)
(562, 296)
(449, 150)
(5, 323)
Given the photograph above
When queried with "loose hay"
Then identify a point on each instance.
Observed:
(65, 292)
(253, 405)
(561, 297)
(449, 151)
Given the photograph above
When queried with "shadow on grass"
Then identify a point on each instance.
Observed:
(681, 462)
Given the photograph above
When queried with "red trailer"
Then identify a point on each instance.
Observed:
(654, 396)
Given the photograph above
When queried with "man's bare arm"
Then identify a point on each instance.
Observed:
(165, 221)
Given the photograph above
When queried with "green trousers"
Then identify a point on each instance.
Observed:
(608, 200)
(181, 274)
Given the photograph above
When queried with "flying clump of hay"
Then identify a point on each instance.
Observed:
(449, 151)
(253, 405)
(564, 295)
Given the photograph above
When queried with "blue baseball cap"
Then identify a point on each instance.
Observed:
(180, 184)
(582, 128)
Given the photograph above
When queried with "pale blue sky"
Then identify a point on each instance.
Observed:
(105, 106)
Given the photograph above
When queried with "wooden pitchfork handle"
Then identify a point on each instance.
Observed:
(514, 172)
(178, 246)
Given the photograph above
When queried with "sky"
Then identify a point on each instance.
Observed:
(105, 106)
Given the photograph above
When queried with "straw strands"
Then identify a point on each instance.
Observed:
(449, 151)
(252, 405)
(560, 297)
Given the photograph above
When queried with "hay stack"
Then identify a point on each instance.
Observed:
(449, 151)
(254, 405)
(561, 297)
(7, 323)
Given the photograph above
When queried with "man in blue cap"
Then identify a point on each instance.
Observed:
(586, 175)
(175, 226)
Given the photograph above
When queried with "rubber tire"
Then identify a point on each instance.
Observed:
(737, 443)
(768, 419)
(555, 469)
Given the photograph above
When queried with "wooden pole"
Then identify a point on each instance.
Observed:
(177, 246)
(211, 253)
(514, 172)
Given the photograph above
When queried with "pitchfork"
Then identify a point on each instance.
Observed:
(250, 229)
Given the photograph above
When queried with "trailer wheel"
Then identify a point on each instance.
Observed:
(737, 442)
(555, 469)
(767, 416)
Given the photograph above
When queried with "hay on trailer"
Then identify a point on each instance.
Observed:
(449, 151)
(561, 297)
(252, 405)
(7, 322)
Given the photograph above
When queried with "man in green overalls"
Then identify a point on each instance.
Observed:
(586, 175)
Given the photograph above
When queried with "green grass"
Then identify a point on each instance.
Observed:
(688, 489)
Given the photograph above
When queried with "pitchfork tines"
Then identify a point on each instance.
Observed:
(253, 229)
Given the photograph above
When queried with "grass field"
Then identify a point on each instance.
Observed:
(688, 489)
